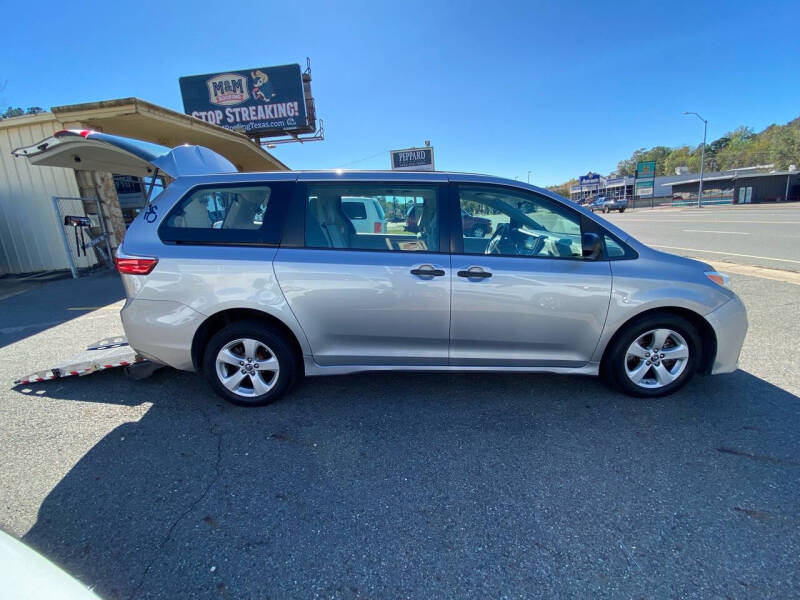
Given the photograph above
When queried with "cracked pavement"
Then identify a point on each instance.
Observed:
(402, 485)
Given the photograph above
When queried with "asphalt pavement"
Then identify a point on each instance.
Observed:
(415, 485)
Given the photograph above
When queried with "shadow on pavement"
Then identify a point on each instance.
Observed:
(426, 485)
(46, 306)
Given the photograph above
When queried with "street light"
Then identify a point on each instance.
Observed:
(529, 176)
(702, 157)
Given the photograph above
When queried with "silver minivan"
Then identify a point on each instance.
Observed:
(257, 279)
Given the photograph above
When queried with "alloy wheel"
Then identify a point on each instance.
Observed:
(247, 367)
(656, 358)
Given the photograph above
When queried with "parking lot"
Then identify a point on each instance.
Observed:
(418, 485)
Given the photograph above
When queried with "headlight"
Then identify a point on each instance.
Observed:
(719, 278)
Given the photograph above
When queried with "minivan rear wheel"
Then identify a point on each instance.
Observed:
(249, 363)
(653, 356)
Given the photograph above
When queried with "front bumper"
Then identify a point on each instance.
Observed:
(162, 330)
(729, 322)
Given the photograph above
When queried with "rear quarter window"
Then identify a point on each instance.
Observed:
(233, 214)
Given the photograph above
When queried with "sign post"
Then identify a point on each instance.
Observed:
(644, 180)
(413, 159)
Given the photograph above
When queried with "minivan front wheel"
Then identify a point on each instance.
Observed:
(250, 364)
(653, 357)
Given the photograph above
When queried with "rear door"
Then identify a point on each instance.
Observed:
(524, 296)
(366, 297)
(86, 150)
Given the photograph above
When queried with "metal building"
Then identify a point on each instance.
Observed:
(33, 237)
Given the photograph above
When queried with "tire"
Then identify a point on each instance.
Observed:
(605, 209)
(622, 210)
(663, 376)
(479, 231)
(274, 377)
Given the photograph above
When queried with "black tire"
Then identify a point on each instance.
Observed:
(261, 332)
(613, 367)
(622, 210)
(605, 209)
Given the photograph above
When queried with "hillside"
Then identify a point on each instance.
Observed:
(742, 147)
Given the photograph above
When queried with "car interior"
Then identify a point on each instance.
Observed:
(522, 227)
(329, 226)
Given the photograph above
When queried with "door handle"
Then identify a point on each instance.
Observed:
(473, 273)
(427, 271)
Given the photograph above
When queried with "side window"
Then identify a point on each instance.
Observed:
(373, 217)
(613, 249)
(222, 208)
(496, 220)
(226, 214)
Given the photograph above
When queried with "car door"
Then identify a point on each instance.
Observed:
(365, 297)
(525, 296)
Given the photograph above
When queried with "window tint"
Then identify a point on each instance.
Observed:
(517, 224)
(354, 210)
(222, 208)
(355, 217)
(231, 214)
(613, 249)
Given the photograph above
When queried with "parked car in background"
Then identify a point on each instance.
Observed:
(604, 204)
(256, 303)
(472, 226)
(366, 214)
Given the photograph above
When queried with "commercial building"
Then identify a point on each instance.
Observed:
(741, 187)
(34, 200)
(736, 186)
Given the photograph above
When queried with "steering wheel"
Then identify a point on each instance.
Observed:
(500, 233)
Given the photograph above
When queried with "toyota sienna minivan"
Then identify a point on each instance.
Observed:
(256, 279)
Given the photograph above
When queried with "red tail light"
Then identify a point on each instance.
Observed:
(378, 227)
(139, 265)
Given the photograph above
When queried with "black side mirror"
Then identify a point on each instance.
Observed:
(592, 246)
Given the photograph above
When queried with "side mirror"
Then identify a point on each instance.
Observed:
(592, 246)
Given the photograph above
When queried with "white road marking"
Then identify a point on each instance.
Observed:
(796, 262)
(710, 231)
(715, 222)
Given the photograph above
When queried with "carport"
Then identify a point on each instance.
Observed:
(31, 233)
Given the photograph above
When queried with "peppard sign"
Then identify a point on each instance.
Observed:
(257, 102)
(413, 159)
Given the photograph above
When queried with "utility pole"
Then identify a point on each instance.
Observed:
(702, 158)
(529, 176)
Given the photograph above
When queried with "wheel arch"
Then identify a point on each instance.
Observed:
(224, 317)
(704, 329)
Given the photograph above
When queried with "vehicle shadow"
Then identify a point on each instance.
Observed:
(48, 305)
(424, 484)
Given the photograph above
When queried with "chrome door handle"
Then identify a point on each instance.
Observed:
(473, 273)
(427, 271)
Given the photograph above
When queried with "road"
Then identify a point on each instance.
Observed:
(413, 485)
(766, 235)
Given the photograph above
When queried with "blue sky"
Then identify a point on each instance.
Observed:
(498, 87)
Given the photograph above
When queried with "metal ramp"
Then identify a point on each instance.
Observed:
(107, 353)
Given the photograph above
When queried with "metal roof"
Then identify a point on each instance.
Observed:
(716, 177)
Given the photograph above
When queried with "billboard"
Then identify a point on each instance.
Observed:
(644, 188)
(412, 159)
(645, 169)
(264, 101)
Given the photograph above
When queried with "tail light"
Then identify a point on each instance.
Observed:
(135, 265)
(378, 227)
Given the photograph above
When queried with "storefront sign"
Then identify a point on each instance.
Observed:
(413, 159)
(644, 188)
(257, 102)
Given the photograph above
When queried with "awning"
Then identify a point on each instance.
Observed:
(135, 118)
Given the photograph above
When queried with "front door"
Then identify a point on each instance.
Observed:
(524, 295)
(370, 296)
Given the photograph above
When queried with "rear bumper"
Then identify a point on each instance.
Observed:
(161, 330)
(729, 322)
